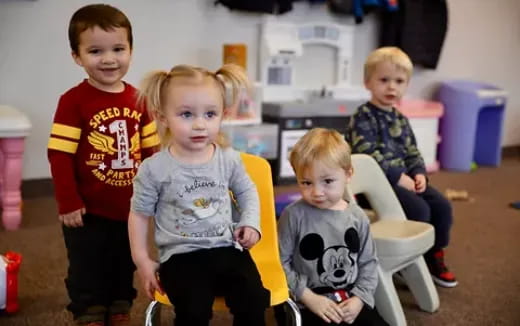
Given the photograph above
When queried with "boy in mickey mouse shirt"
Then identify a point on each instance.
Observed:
(326, 249)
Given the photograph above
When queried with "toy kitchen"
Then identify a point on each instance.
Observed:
(297, 109)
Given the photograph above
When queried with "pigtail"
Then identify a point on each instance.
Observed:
(150, 94)
(234, 82)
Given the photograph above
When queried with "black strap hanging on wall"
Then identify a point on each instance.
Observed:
(263, 6)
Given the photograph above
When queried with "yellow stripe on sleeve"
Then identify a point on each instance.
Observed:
(149, 129)
(63, 145)
(62, 130)
(151, 141)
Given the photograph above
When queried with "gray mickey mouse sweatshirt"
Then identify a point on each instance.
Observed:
(328, 249)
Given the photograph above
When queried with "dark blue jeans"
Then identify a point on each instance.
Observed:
(430, 207)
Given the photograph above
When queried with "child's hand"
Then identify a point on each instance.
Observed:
(322, 306)
(73, 219)
(351, 308)
(420, 183)
(406, 182)
(147, 271)
(246, 236)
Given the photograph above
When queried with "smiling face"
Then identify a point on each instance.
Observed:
(105, 56)
(387, 84)
(323, 186)
(193, 114)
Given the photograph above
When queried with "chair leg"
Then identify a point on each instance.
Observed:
(295, 311)
(153, 314)
(387, 301)
(421, 285)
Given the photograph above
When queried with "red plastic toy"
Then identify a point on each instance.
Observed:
(9, 267)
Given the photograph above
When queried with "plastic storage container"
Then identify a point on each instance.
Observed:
(424, 119)
(259, 139)
(471, 128)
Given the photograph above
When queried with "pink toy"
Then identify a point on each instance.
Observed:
(9, 267)
(14, 127)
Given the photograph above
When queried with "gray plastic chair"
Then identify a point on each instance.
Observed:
(400, 243)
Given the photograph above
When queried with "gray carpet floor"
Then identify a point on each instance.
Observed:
(484, 254)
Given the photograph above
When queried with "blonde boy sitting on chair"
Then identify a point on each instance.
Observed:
(326, 249)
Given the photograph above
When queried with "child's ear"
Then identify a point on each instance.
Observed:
(76, 58)
(348, 173)
(226, 113)
(160, 117)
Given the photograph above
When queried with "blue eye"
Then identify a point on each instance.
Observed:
(186, 114)
(211, 114)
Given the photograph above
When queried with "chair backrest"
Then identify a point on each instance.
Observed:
(369, 179)
(259, 171)
(266, 253)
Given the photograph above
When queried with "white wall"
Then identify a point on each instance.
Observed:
(35, 64)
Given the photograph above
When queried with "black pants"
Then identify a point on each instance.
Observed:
(192, 280)
(430, 207)
(100, 270)
(367, 317)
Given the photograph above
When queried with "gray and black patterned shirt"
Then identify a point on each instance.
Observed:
(386, 135)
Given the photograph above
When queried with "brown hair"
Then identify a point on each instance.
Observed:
(230, 79)
(102, 15)
(390, 54)
(323, 145)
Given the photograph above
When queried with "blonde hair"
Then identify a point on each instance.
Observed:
(230, 79)
(390, 54)
(323, 145)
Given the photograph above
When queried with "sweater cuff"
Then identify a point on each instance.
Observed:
(394, 174)
(70, 205)
(364, 296)
(418, 170)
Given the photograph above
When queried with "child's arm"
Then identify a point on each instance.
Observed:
(61, 150)
(366, 283)
(247, 232)
(144, 199)
(413, 160)
(364, 138)
(146, 267)
(287, 238)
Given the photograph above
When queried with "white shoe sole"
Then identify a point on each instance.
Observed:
(443, 283)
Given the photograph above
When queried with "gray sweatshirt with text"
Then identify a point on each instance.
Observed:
(191, 204)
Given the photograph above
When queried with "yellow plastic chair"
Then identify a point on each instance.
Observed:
(265, 253)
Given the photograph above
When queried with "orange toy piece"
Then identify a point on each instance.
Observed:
(9, 267)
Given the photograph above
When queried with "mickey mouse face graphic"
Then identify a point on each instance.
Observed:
(335, 263)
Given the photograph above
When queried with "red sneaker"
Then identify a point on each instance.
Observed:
(119, 320)
(440, 273)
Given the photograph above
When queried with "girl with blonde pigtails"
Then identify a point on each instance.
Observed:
(203, 249)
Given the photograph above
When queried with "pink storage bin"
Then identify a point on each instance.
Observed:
(424, 119)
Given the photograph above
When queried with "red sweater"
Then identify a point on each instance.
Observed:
(98, 139)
